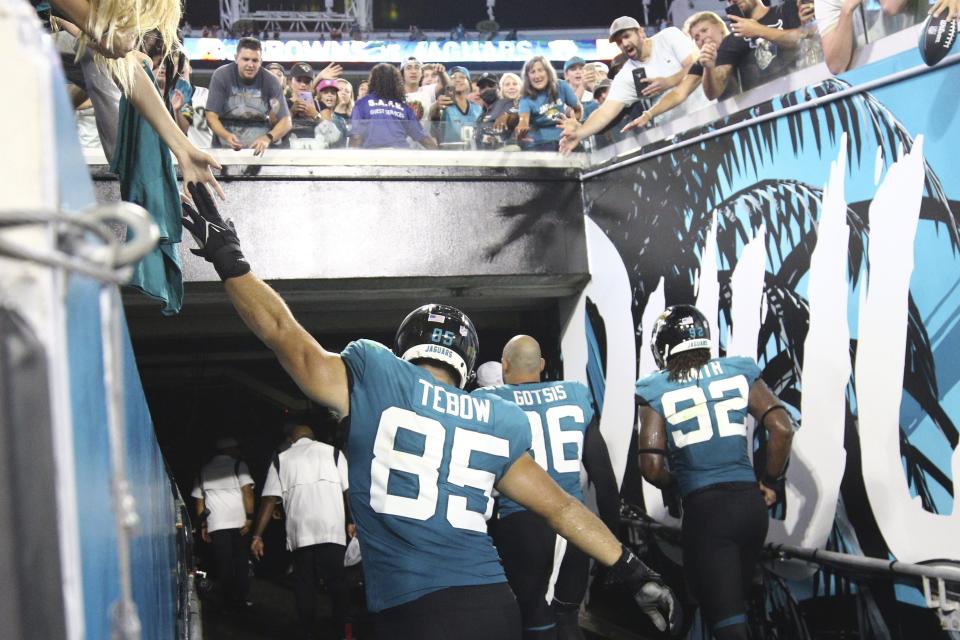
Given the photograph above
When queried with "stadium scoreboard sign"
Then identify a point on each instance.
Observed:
(398, 51)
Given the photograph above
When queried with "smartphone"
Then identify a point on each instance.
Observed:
(304, 96)
(733, 9)
(449, 92)
(639, 74)
(185, 89)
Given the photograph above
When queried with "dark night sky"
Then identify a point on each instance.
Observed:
(444, 14)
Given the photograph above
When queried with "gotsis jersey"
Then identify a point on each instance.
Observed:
(705, 421)
(424, 457)
(558, 413)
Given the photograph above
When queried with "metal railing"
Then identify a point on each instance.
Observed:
(110, 261)
(940, 584)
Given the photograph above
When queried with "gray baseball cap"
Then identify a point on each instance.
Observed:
(622, 24)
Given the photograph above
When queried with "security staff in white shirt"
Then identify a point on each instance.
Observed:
(310, 478)
(654, 65)
(224, 503)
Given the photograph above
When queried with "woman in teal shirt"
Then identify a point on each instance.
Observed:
(546, 101)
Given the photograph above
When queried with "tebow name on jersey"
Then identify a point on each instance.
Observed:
(539, 396)
(455, 404)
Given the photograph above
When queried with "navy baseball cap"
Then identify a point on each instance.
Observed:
(301, 70)
(487, 78)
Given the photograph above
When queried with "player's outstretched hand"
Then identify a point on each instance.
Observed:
(651, 593)
(216, 238)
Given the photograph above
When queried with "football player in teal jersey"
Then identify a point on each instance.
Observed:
(425, 457)
(565, 436)
(693, 436)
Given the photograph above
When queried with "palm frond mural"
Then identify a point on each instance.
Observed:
(658, 213)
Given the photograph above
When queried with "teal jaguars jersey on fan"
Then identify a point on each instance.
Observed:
(558, 413)
(705, 421)
(424, 458)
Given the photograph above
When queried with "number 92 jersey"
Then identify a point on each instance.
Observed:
(705, 421)
(424, 458)
(559, 414)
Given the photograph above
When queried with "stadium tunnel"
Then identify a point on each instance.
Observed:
(352, 246)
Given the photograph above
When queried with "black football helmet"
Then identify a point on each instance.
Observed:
(679, 328)
(442, 333)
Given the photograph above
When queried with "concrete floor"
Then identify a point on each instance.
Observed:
(273, 617)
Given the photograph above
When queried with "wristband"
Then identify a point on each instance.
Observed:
(270, 135)
(773, 408)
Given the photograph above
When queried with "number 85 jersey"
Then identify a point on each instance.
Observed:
(705, 421)
(424, 458)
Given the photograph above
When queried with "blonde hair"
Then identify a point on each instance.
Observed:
(352, 100)
(511, 75)
(705, 16)
(108, 18)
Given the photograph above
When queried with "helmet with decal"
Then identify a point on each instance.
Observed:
(679, 328)
(439, 333)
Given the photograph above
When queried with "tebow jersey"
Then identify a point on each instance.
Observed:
(424, 457)
(558, 415)
(705, 421)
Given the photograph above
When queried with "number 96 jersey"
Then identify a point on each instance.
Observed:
(424, 458)
(705, 421)
(559, 414)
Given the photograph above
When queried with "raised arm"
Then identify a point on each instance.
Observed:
(574, 132)
(670, 100)
(750, 28)
(838, 40)
(320, 374)
(195, 165)
(78, 12)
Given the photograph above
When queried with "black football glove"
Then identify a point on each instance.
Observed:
(216, 238)
(650, 592)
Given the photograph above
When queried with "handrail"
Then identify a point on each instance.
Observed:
(109, 262)
(843, 561)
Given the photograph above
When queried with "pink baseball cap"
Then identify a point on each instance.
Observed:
(327, 84)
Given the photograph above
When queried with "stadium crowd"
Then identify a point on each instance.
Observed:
(448, 582)
(261, 105)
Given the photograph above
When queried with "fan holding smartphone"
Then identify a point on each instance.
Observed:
(762, 46)
(654, 64)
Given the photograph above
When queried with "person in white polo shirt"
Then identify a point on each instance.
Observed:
(310, 478)
(654, 65)
(224, 502)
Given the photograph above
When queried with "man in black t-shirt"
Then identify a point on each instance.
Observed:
(761, 47)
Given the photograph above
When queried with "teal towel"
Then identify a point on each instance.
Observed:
(147, 178)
